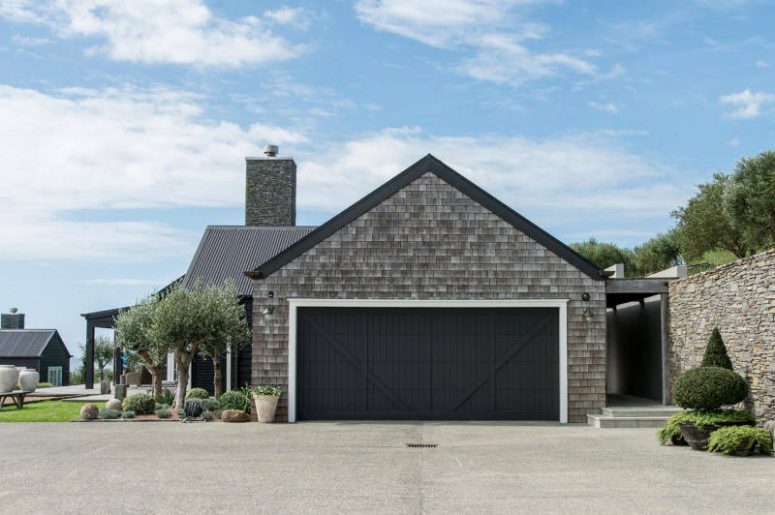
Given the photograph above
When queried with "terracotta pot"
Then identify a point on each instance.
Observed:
(266, 406)
(9, 376)
(29, 379)
(698, 438)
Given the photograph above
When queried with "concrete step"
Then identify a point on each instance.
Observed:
(608, 421)
(656, 411)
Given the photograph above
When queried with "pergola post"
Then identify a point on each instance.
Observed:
(88, 372)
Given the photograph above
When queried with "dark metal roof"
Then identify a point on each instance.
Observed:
(433, 165)
(25, 343)
(227, 251)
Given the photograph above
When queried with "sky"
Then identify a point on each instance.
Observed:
(124, 125)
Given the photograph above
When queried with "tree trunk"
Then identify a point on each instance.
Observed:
(217, 377)
(155, 380)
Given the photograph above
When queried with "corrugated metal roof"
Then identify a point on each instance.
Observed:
(226, 251)
(24, 343)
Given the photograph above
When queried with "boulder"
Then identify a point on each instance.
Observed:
(89, 412)
(770, 426)
(234, 415)
(113, 404)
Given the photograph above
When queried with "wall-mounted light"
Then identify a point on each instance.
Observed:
(270, 294)
(268, 310)
(587, 312)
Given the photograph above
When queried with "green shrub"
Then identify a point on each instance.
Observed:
(197, 393)
(48, 385)
(672, 428)
(209, 404)
(109, 414)
(217, 413)
(234, 399)
(162, 406)
(166, 397)
(709, 388)
(702, 419)
(140, 403)
(267, 389)
(734, 439)
(163, 413)
(129, 414)
(181, 414)
(207, 416)
(716, 352)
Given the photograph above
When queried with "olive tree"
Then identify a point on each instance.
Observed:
(226, 327)
(134, 331)
(200, 319)
(103, 354)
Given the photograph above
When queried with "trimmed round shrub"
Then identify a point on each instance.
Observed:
(234, 399)
(197, 393)
(140, 403)
(89, 411)
(207, 416)
(163, 413)
(709, 388)
(166, 397)
(109, 414)
(130, 414)
(209, 404)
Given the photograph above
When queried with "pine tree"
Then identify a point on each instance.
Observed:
(716, 352)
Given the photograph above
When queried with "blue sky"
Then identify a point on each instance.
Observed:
(124, 125)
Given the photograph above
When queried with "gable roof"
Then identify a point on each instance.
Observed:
(25, 343)
(226, 251)
(431, 164)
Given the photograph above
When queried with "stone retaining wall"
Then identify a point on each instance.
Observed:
(739, 299)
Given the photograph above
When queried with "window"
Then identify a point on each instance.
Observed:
(55, 376)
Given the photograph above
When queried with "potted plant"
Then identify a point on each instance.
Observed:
(266, 397)
(740, 441)
(704, 391)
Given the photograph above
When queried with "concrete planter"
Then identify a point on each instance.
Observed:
(266, 406)
(29, 379)
(104, 387)
(9, 376)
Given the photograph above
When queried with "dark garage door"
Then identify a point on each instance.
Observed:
(423, 363)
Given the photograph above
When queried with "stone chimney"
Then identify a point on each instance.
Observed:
(12, 320)
(270, 189)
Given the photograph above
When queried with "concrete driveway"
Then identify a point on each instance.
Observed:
(366, 467)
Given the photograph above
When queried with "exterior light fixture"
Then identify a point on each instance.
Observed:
(587, 312)
(267, 311)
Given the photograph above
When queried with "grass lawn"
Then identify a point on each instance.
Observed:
(44, 411)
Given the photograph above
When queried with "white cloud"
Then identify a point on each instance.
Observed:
(293, 16)
(82, 149)
(122, 281)
(484, 29)
(734, 142)
(152, 31)
(606, 107)
(589, 177)
(761, 63)
(748, 104)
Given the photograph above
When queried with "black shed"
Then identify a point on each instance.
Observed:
(41, 349)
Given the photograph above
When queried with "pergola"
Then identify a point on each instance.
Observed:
(105, 319)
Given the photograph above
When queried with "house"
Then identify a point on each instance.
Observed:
(41, 349)
(431, 299)
(427, 299)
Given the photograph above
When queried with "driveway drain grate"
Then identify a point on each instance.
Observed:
(430, 445)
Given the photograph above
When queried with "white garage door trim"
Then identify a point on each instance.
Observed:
(560, 304)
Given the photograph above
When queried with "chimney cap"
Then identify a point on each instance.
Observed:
(271, 150)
